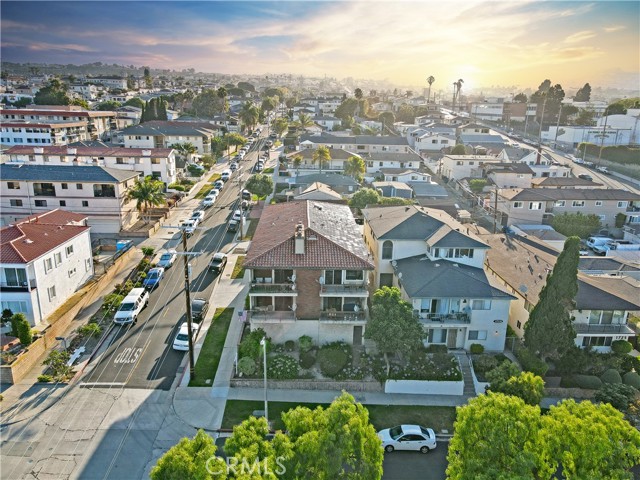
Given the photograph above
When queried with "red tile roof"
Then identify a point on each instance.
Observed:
(34, 236)
(332, 238)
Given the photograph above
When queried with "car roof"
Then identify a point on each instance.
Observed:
(184, 328)
(198, 301)
(220, 255)
(156, 269)
(411, 429)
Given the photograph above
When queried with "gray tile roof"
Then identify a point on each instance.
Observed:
(64, 173)
(604, 264)
(479, 138)
(331, 179)
(354, 139)
(425, 278)
(393, 156)
(515, 154)
(426, 189)
(552, 194)
(335, 153)
(508, 168)
(607, 293)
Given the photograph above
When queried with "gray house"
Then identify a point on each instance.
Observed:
(342, 184)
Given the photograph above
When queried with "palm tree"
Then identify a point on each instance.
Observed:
(354, 167)
(222, 94)
(453, 100)
(358, 93)
(430, 80)
(147, 193)
(322, 155)
(249, 115)
(458, 88)
(185, 150)
(304, 121)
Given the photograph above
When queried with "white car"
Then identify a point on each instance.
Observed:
(181, 342)
(233, 166)
(225, 175)
(237, 215)
(219, 184)
(190, 226)
(198, 215)
(408, 437)
(209, 200)
(167, 259)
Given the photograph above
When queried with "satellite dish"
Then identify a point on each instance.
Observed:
(321, 280)
(394, 263)
(293, 277)
(400, 275)
(523, 288)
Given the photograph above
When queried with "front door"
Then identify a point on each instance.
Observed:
(451, 338)
(357, 336)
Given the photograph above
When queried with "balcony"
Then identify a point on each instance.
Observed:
(350, 290)
(266, 315)
(337, 316)
(441, 318)
(619, 328)
(18, 286)
(288, 289)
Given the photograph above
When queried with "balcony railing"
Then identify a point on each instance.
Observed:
(266, 288)
(263, 314)
(18, 286)
(612, 328)
(457, 317)
(340, 316)
(351, 290)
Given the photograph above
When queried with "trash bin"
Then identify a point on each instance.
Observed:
(123, 245)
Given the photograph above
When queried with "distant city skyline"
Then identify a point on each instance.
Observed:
(484, 43)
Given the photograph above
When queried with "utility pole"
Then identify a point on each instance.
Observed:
(555, 140)
(192, 369)
(604, 134)
(495, 210)
(544, 104)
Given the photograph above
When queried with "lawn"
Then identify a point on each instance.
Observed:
(209, 358)
(238, 268)
(382, 416)
(206, 188)
(251, 230)
(268, 170)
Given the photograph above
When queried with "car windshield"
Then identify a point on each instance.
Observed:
(395, 432)
(128, 307)
(197, 306)
(425, 432)
(153, 275)
(183, 337)
(165, 256)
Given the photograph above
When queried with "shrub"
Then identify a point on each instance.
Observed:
(177, 186)
(24, 331)
(307, 359)
(621, 347)
(6, 315)
(282, 367)
(502, 373)
(57, 363)
(247, 366)
(526, 385)
(574, 360)
(45, 378)
(90, 330)
(143, 266)
(148, 251)
(633, 379)
(305, 343)
(437, 348)
(16, 319)
(476, 348)
(484, 363)
(629, 363)
(611, 376)
(590, 382)
(618, 395)
(530, 362)
(112, 301)
(250, 345)
(333, 357)
(289, 345)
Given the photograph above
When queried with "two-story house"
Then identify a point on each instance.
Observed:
(99, 193)
(540, 205)
(359, 144)
(602, 305)
(540, 162)
(44, 259)
(159, 163)
(377, 162)
(509, 175)
(164, 134)
(309, 273)
(457, 167)
(438, 265)
(307, 164)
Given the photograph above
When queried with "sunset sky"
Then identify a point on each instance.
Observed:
(485, 43)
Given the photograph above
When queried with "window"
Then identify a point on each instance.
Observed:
(598, 203)
(477, 334)
(355, 275)
(119, 161)
(78, 186)
(387, 250)
(13, 185)
(437, 335)
(58, 258)
(87, 264)
(15, 277)
(64, 186)
(15, 203)
(386, 280)
(85, 203)
(481, 305)
(104, 190)
(519, 324)
(602, 217)
(15, 307)
(72, 272)
(155, 161)
(518, 204)
(577, 203)
(48, 265)
(559, 203)
(41, 203)
(459, 162)
(63, 203)
(622, 204)
(596, 341)
(535, 205)
(52, 292)
(69, 250)
(44, 190)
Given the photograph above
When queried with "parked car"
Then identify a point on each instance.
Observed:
(131, 306)
(198, 215)
(219, 184)
(273, 136)
(584, 176)
(269, 143)
(604, 170)
(244, 205)
(232, 226)
(237, 215)
(218, 262)
(209, 200)
(225, 175)
(233, 166)
(167, 259)
(190, 226)
(199, 308)
(181, 342)
(152, 280)
(246, 195)
(408, 437)
(259, 167)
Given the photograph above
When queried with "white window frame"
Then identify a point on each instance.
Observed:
(623, 204)
(560, 203)
(577, 203)
(69, 250)
(481, 304)
(518, 204)
(51, 291)
(598, 203)
(48, 265)
(477, 334)
(535, 204)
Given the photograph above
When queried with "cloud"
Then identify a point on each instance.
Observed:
(614, 28)
(43, 46)
(580, 36)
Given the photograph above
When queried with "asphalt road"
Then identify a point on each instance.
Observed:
(141, 355)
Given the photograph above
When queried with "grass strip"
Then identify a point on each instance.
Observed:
(209, 358)
(207, 187)
(238, 268)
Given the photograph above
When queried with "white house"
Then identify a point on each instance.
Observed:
(359, 144)
(438, 265)
(44, 259)
(164, 134)
(159, 163)
(457, 167)
(377, 162)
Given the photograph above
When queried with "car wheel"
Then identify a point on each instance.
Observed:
(424, 449)
(389, 448)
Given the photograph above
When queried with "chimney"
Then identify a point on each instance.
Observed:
(71, 151)
(146, 153)
(299, 239)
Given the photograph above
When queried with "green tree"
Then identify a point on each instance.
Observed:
(191, 458)
(249, 115)
(246, 86)
(520, 98)
(148, 81)
(618, 395)
(586, 117)
(15, 320)
(54, 93)
(347, 109)
(364, 197)
(477, 184)
(24, 332)
(337, 442)
(280, 125)
(147, 193)
(393, 326)
(108, 106)
(208, 103)
(304, 121)
(222, 94)
(620, 107)
(495, 438)
(387, 119)
(260, 185)
(297, 161)
(354, 167)
(279, 92)
(525, 385)
(549, 331)
(576, 224)
(57, 361)
(235, 139)
(134, 102)
(430, 80)
(583, 94)
(459, 149)
(269, 104)
(185, 149)
(588, 441)
(80, 102)
(321, 156)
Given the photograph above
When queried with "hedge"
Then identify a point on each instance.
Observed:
(633, 379)
(611, 376)
(531, 363)
(588, 381)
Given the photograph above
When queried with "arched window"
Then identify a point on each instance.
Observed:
(387, 250)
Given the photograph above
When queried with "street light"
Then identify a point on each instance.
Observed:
(263, 342)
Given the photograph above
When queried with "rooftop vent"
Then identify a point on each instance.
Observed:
(299, 239)
(27, 240)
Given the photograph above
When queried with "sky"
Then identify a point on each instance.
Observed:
(507, 42)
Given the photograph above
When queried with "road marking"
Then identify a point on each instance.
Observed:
(102, 384)
(128, 355)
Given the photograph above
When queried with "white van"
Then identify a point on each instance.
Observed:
(597, 241)
(131, 306)
(225, 175)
